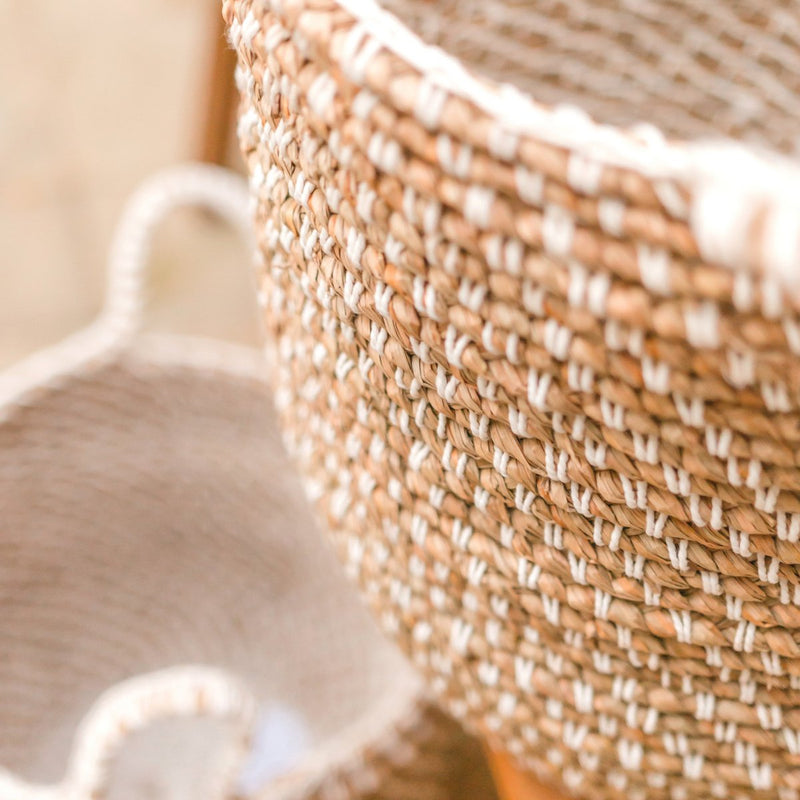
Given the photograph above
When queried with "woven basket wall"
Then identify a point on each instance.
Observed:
(542, 374)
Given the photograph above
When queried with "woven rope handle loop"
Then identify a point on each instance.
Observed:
(130, 706)
(215, 188)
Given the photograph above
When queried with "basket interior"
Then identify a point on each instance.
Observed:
(695, 70)
(150, 519)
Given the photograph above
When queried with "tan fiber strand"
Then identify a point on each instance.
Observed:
(541, 373)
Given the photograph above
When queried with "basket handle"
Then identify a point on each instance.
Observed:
(215, 188)
(133, 705)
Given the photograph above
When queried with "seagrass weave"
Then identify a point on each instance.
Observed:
(541, 372)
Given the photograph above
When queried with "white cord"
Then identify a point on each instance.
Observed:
(202, 185)
(133, 705)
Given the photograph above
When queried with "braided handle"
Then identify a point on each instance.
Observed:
(133, 705)
(203, 185)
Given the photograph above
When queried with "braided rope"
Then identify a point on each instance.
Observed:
(133, 705)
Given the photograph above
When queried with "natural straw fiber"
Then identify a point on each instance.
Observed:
(157, 560)
(542, 373)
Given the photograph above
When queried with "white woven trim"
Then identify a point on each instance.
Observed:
(206, 356)
(756, 180)
(215, 188)
(130, 706)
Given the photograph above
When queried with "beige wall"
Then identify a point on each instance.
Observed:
(94, 96)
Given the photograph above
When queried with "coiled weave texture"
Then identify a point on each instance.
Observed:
(545, 394)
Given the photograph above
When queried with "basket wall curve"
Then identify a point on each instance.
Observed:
(546, 398)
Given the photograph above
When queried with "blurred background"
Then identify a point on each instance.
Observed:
(94, 97)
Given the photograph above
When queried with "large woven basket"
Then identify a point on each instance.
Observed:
(542, 373)
(158, 562)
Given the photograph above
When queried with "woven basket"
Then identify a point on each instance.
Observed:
(157, 561)
(542, 373)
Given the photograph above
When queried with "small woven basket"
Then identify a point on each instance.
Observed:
(542, 373)
(157, 561)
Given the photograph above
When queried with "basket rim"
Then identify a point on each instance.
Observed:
(732, 185)
(83, 355)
